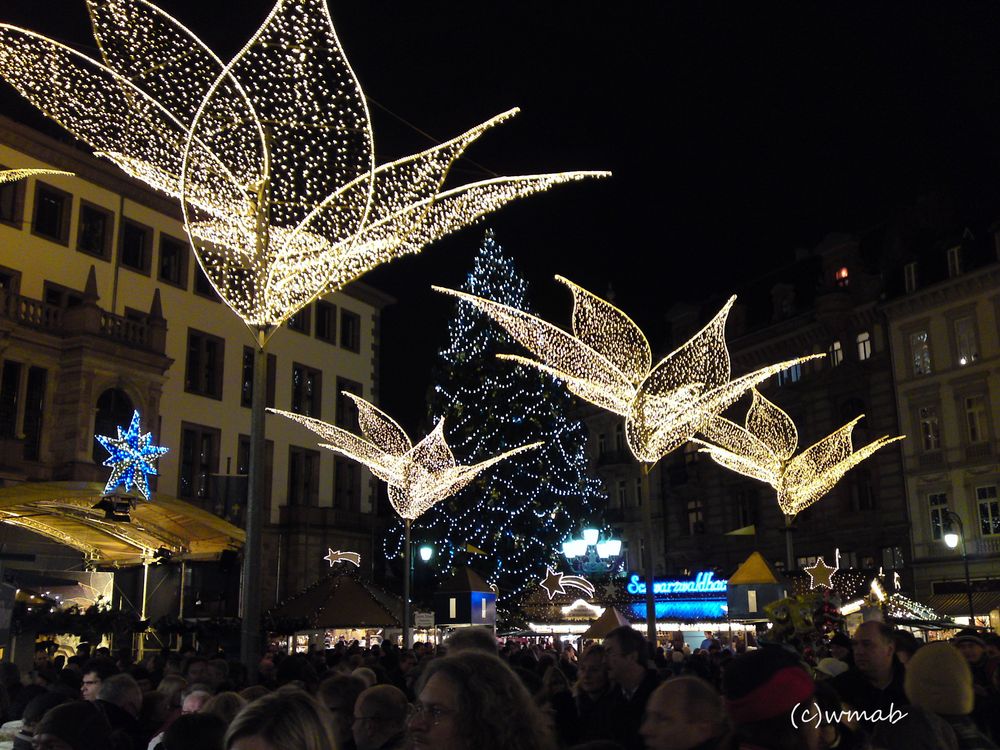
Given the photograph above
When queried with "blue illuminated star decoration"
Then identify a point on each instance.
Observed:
(131, 458)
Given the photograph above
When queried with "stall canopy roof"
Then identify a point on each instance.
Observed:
(64, 512)
(339, 601)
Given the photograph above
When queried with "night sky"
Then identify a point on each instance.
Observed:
(736, 133)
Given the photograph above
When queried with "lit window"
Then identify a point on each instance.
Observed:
(930, 430)
(864, 346)
(989, 510)
(966, 347)
(920, 352)
(938, 502)
(836, 354)
(841, 276)
(790, 375)
(975, 418)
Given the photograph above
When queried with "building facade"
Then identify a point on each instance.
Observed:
(106, 310)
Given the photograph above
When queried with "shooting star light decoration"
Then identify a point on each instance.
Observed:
(557, 583)
(131, 457)
(418, 475)
(607, 361)
(271, 154)
(336, 556)
(763, 450)
(821, 574)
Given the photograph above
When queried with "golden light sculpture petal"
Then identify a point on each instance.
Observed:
(13, 175)
(734, 447)
(584, 370)
(772, 426)
(432, 453)
(381, 429)
(455, 479)
(610, 332)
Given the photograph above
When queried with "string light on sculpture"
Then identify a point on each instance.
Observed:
(336, 556)
(272, 154)
(418, 475)
(607, 361)
(132, 457)
(13, 175)
(763, 450)
(821, 574)
(557, 583)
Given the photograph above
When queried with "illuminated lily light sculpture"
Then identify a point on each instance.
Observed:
(272, 157)
(418, 475)
(764, 448)
(607, 361)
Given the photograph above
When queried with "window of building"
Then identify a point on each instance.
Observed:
(691, 453)
(34, 412)
(892, 558)
(326, 322)
(805, 561)
(301, 321)
(620, 438)
(954, 261)
(205, 356)
(350, 330)
(114, 408)
(696, 521)
(789, 375)
(199, 459)
(746, 507)
(864, 341)
(346, 485)
(920, 352)
(842, 277)
(243, 467)
(61, 296)
(246, 385)
(864, 497)
(614, 499)
(347, 411)
(836, 354)
(966, 348)
(989, 510)
(172, 268)
(638, 492)
(52, 213)
(202, 286)
(94, 230)
(303, 476)
(930, 429)
(975, 419)
(848, 560)
(12, 202)
(910, 277)
(137, 246)
(10, 280)
(306, 387)
(10, 392)
(622, 493)
(938, 504)
(602, 444)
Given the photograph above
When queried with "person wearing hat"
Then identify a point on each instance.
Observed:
(985, 673)
(939, 680)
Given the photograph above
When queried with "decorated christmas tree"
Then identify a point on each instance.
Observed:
(510, 522)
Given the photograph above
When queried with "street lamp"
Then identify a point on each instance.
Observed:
(952, 539)
(426, 552)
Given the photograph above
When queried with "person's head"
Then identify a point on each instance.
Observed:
(339, 694)
(35, 709)
(970, 644)
(906, 645)
(123, 691)
(840, 647)
(939, 680)
(407, 661)
(761, 689)
(681, 714)
(224, 705)
(172, 685)
(379, 715)
(626, 650)
(195, 669)
(287, 719)
(477, 638)
(79, 725)
(95, 672)
(874, 650)
(474, 701)
(592, 671)
(992, 642)
(195, 732)
(366, 675)
(193, 700)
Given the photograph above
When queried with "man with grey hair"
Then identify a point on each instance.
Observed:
(380, 719)
(476, 638)
(120, 698)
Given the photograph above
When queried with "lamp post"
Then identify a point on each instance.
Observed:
(426, 553)
(952, 539)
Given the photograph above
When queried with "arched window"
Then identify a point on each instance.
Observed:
(836, 354)
(842, 276)
(114, 409)
(864, 345)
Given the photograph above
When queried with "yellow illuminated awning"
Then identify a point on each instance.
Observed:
(64, 512)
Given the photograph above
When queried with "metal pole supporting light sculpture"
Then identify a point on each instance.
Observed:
(272, 157)
(607, 361)
(418, 475)
(763, 450)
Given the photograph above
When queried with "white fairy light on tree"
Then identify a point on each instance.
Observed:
(607, 361)
(764, 448)
(418, 475)
(272, 157)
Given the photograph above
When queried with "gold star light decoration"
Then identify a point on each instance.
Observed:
(821, 574)
(13, 175)
(607, 361)
(763, 450)
(418, 475)
(271, 154)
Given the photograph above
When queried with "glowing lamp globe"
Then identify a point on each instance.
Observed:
(590, 536)
(426, 553)
(951, 539)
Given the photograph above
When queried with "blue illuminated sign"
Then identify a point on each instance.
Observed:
(690, 611)
(704, 583)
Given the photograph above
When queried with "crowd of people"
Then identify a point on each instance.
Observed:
(880, 689)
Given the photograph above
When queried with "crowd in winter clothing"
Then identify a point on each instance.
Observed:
(882, 688)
